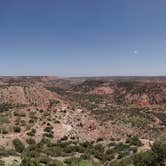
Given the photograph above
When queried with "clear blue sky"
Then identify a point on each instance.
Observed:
(82, 37)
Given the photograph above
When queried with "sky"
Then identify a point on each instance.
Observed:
(83, 37)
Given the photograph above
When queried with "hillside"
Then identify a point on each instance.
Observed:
(109, 111)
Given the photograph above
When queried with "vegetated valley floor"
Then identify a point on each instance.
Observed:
(111, 121)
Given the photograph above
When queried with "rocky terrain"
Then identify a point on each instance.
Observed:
(61, 120)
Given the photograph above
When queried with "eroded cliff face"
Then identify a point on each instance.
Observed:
(29, 95)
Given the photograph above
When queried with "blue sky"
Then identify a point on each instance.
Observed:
(82, 37)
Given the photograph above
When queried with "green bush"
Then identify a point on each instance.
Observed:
(154, 157)
(65, 138)
(6, 153)
(134, 141)
(55, 163)
(4, 131)
(19, 114)
(17, 129)
(2, 163)
(32, 151)
(120, 147)
(54, 151)
(19, 146)
(30, 141)
(145, 159)
(44, 159)
(32, 132)
(48, 129)
(49, 135)
(85, 156)
(30, 162)
(5, 107)
(99, 139)
(72, 161)
(159, 148)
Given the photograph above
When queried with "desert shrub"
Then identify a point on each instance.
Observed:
(44, 159)
(48, 124)
(17, 129)
(80, 149)
(32, 114)
(108, 156)
(30, 141)
(54, 151)
(133, 149)
(32, 151)
(55, 163)
(112, 144)
(86, 144)
(159, 148)
(53, 103)
(47, 113)
(99, 147)
(19, 146)
(64, 138)
(48, 132)
(99, 151)
(120, 147)
(122, 162)
(17, 121)
(85, 156)
(5, 107)
(48, 129)
(71, 149)
(73, 161)
(32, 132)
(19, 114)
(4, 131)
(6, 153)
(2, 163)
(49, 135)
(123, 154)
(99, 139)
(30, 162)
(23, 122)
(4, 119)
(31, 121)
(49, 119)
(134, 141)
(57, 122)
(44, 141)
(154, 157)
(145, 159)
(162, 117)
